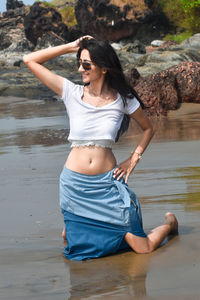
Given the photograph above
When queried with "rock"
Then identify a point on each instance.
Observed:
(12, 36)
(157, 92)
(192, 42)
(117, 46)
(163, 91)
(157, 61)
(42, 20)
(187, 79)
(167, 45)
(48, 39)
(111, 20)
(12, 4)
(135, 47)
(157, 43)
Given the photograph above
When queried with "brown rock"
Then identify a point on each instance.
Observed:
(112, 19)
(165, 90)
(12, 36)
(41, 20)
(166, 45)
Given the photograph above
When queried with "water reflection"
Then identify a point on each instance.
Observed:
(25, 123)
(173, 129)
(27, 139)
(171, 186)
(122, 275)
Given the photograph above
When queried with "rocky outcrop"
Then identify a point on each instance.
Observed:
(12, 35)
(41, 20)
(13, 4)
(109, 19)
(163, 91)
(135, 47)
(156, 61)
(114, 19)
(192, 42)
(24, 28)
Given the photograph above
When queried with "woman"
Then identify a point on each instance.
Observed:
(101, 214)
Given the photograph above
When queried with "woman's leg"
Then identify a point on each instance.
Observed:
(64, 234)
(155, 237)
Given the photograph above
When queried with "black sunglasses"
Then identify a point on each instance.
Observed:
(85, 64)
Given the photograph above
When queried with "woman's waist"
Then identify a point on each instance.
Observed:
(102, 143)
(91, 160)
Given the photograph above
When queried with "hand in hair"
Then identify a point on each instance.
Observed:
(77, 42)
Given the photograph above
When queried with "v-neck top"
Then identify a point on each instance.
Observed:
(88, 122)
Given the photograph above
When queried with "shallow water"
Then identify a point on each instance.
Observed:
(33, 148)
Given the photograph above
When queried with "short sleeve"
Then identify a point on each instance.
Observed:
(132, 105)
(67, 88)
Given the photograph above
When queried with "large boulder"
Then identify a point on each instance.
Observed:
(113, 19)
(192, 42)
(157, 61)
(163, 91)
(41, 20)
(12, 36)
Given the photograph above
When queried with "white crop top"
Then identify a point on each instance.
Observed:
(91, 123)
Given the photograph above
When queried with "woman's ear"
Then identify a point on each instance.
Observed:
(104, 71)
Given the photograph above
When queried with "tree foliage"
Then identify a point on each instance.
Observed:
(192, 15)
(182, 13)
(188, 4)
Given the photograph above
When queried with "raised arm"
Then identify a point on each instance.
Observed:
(35, 60)
(126, 167)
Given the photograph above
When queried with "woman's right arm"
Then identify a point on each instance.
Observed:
(35, 60)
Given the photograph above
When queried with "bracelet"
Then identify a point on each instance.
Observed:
(138, 153)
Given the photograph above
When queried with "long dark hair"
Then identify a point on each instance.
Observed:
(104, 56)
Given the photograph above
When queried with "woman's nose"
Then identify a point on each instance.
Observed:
(81, 69)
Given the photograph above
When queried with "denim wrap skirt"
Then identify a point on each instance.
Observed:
(98, 211)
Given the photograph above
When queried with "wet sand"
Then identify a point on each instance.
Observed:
(33, 148)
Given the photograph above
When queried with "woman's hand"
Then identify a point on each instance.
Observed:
(76, 43)
(125, 168)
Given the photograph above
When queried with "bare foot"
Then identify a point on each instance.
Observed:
(172, 221)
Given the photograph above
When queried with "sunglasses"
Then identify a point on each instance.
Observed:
(85, 64)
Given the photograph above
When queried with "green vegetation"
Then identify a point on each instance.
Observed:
(184, 14)
(192, 15)
(188, 4)
(67, 12)
(68, 15)
(46, 4)
(178, 37)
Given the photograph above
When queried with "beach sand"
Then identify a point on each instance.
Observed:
(33, 149)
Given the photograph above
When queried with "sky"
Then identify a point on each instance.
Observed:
(3, 4)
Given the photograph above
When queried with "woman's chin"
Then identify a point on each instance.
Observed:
(85, 80)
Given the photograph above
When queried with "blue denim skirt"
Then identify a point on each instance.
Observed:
(98, 211)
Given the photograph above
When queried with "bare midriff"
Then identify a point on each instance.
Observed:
(90, 160)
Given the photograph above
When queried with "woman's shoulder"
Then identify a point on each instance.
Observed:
(70, 88)
(67, 83)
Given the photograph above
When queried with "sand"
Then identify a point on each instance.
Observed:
(33, 149)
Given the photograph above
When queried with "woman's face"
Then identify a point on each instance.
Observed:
(94, 73)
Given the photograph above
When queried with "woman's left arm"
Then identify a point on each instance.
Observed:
(125, 168)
